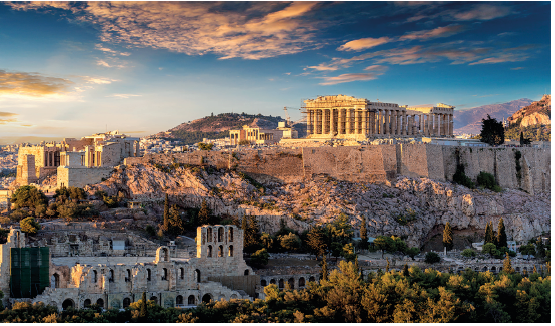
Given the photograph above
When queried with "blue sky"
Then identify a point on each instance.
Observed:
(72, 69)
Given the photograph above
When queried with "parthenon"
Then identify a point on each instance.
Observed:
(341, 116)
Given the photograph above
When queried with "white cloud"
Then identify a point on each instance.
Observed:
(364, 43)
(123, 95)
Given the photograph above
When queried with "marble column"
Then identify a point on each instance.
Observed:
(364, 122)
(372, 123)
(404, 124)
(332, 122)
(357, 120)
(451, 121)
(394, 122)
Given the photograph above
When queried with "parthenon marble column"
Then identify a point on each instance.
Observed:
(364, 114)
(372, 123)
(451, 125)
(386, 122)
(394, 122)
(404, 124)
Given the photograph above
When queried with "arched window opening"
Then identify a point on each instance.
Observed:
(272, 281)
(197, 275)
(68, 304)
(94, 277)
(209, 235)
(209, 251)
(154, 298)
(291, 283)
(148, 274)
(87, 303)
(220, 234)
(128, 276)
(280, 284)
(207, 298)
(485, 269)
(191, 300)
(55, 281)
(301, 282)
(220, 251)
(126, 302)
(164, 274)
(263, 283)
(230, 251)
(246, 272)
(179, 300)
(100, 303)
(493, 269)
(166, 254)
(312, 279)
(181, 273)
(230, 235)
(111, 276)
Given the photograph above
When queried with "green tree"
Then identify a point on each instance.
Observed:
(205, 146)
(406, 271)
(501, 235)
(324, 269)
(316, 241)
(492, 132)
(432, 258)
(349, 252)
(143, 312)
(489, 248)
(448, 237)
(204, 213)
(363, 233)
(336, 249)
(340, 230)
(413, 252)
(260, 258)
(290, 242)
(468, 253)
(267, 241)
(507, 267)
(28, 196)
(251, 242)
(528, 250)
(29, 226)
(384, 244)
(489, 236)
(176, 226)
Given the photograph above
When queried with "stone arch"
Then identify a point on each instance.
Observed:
(230, 251)
(485, 269)
(492, 269)
(280, 284)
(111, 275)
(233, 296)
(128, 276)
(476, 269)
(197, 275)
(263, 283)
(94, 277)
(230, 235)
(517, 269)
(220, 251)
(154, 298)
(220, 234)
(100, 302)
(68, 304)
(87, 303)
(126, 302)
(301, 282)
(179, 300)
(191, 300)
(164, 274)
(209, 254)
(162, 254)
(312, 279)
(272, 281)
(55, 281)
(246, 272)
(524, 269)
(208, 234)
(291, 283)
(148, 274)
(181, 273)
(207, 297)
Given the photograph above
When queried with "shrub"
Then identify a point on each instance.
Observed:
(461, 178)
(29, 226)
(244, 142)
(260, 258)
(487, 180)
(432, 258)
(468, 253)
(150, 230)
(205, 147)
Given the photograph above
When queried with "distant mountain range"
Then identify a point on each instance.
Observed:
(470, 121)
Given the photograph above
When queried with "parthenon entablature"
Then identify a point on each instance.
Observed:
(342, 116)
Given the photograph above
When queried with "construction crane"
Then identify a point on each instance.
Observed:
(288, 118)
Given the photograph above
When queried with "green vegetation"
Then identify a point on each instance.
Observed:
(468, 253)
(448, 237)
(29, 226)
(432, 258)
(492, 131)
(205, 147)
(487, 180)
(407, 218)
(501, 239)
(260, 257)
(532, 133)
(461, 178)
(489, 237)
(518, 168)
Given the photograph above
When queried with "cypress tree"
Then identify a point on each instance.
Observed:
(535, 270)
(363, 233)
(406, 270)
(204, 213)
(324, 269)
(387, 267)
(507, 267)
(251, 235)
(316, 241)
(143, 309)
(166, 225)
(357, 268)
(448, 237)
(501, 235)
(489, 237)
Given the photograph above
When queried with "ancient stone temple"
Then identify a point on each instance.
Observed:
(341, 116)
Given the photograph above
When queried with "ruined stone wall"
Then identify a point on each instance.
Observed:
(111, 154)
(81, 176)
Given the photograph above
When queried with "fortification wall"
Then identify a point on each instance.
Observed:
(81, 176)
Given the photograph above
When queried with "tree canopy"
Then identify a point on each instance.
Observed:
(492, 132)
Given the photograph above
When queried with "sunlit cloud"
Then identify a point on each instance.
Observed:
(7, 117)
(445, 31)
(32, 84)
(364, 43)
(517, 68)
(98, 80)
(261, 30)
(123, 95)
(515, 54)
(479, 12)
(375, 71)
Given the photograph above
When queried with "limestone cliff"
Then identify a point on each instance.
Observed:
(411, 207)
(538, 112)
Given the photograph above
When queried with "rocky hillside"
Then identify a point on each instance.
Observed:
(538, 112)
(470, 121)
(412, 208)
